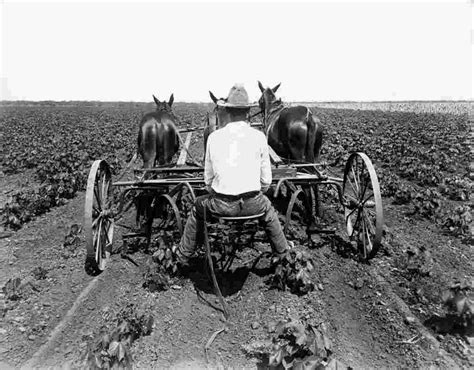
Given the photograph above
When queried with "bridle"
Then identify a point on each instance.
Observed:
(269, 115)
(216, 108)
(256, 114)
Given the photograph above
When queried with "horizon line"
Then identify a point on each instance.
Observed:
(210, 102)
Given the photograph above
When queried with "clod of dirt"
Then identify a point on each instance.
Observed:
(156, 282)
(5, 234)
(40, 273)
(255, 325)
(359, 284)
(3, 308)
(271, 326)
(11, 289)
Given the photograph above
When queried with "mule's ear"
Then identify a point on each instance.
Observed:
(213, 97)
(262, 89)
(157, 102)
(170, 102)
(276, 88)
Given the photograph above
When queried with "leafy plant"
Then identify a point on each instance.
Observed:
(404, 194)
(159, 272)
(112, 350)
(457, 188)
(292, 271)
(460, 221)
(166, 259)
(427, 203)
(459, 300)
(389, 183)
(295, 344)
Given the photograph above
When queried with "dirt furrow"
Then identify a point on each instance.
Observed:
(365, 321)
(51, 276)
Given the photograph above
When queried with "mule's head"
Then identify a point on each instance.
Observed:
(268, 98)
(219, 111)
(164, 106)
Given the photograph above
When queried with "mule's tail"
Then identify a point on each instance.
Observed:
(310, 136)
(161, 143)
(147, 143)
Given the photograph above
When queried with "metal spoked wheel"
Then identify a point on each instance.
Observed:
(98, 217)
(362, 202)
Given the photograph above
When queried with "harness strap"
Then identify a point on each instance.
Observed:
(272, 115)
(134, 158)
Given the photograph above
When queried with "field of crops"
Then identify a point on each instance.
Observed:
(59, 144)
(422, 153)
(423, 158)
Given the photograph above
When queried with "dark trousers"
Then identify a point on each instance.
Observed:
(220, 206)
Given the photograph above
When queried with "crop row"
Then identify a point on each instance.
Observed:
(60, 143)
(420, 157)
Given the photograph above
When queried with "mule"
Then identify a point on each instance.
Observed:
(293, 132)
(215, 119)
(158, 138)
(158, 141)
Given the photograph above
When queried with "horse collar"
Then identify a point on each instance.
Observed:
(273, 113)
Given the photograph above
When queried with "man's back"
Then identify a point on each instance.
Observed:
(237, 160)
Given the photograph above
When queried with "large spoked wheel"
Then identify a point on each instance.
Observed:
(297, 207)
(98, 217)
(169, 214)
(362, 202)
(184, 197)
(172, 210)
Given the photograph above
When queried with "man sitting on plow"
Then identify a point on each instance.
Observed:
(237, 173)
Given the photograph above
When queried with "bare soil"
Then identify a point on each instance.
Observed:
(366, 323)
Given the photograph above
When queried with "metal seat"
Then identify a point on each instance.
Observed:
(241, 218)
(241, 228)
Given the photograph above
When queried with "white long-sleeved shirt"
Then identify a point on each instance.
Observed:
(237, 160)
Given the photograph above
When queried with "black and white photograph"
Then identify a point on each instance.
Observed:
(236, 184)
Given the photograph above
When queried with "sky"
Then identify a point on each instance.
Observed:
(319, 51)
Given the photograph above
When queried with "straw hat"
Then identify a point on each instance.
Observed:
(238, 98)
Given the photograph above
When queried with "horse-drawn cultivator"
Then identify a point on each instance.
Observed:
(166, 194)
